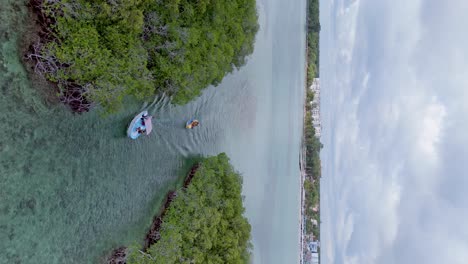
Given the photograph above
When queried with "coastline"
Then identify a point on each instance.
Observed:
(302, 201)
(40, 32)
(302, 161)
(302, 166)
(310, 148)
(118, 256)
(153, 235)
(36, 28)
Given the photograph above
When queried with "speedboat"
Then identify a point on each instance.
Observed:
(192, 123)
(141, 124)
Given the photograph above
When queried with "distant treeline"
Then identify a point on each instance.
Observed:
(205, 222)
(103, 50)
(313, 171)
(313, 31)
(312, 143)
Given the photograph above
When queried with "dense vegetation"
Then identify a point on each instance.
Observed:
(205, 222)
(313, 171)
(312, 143)
(107, 49)
(98, 49)
(313, 31)
(195, 43)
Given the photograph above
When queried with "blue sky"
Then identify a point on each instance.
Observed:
(394, 78)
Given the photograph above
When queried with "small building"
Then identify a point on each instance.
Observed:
(314, 222)
(315, 258)
(313, 246)
(315, 209)
(315, 87)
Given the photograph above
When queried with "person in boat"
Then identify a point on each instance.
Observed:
(143, 118)
(195, 123)
(141, 131)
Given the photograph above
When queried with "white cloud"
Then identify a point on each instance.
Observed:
(394, 105)
(431, 128)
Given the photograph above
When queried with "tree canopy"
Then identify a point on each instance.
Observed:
(205, 222)
(313, 171)
(313, 32)
(193, 44)
(98, 46)
(312, 143)
(141, 47)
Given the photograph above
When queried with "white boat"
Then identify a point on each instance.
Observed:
(141, 124)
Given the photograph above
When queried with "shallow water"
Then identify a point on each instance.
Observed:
(72, 187)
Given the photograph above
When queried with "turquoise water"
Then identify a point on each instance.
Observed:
(72, 187)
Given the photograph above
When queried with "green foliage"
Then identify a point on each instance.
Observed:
(205, 222)
(312, 143)
(140, 47)
(313, 169)
(99, 45)
(193, 44)
(309, 98)
(313, 30)
(313, 147)
(312, 192)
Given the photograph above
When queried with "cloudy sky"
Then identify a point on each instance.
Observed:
(394, 76)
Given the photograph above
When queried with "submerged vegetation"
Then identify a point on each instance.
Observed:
(204, 222)
(103, 50)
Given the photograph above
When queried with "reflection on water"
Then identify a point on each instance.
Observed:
(72, 187)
